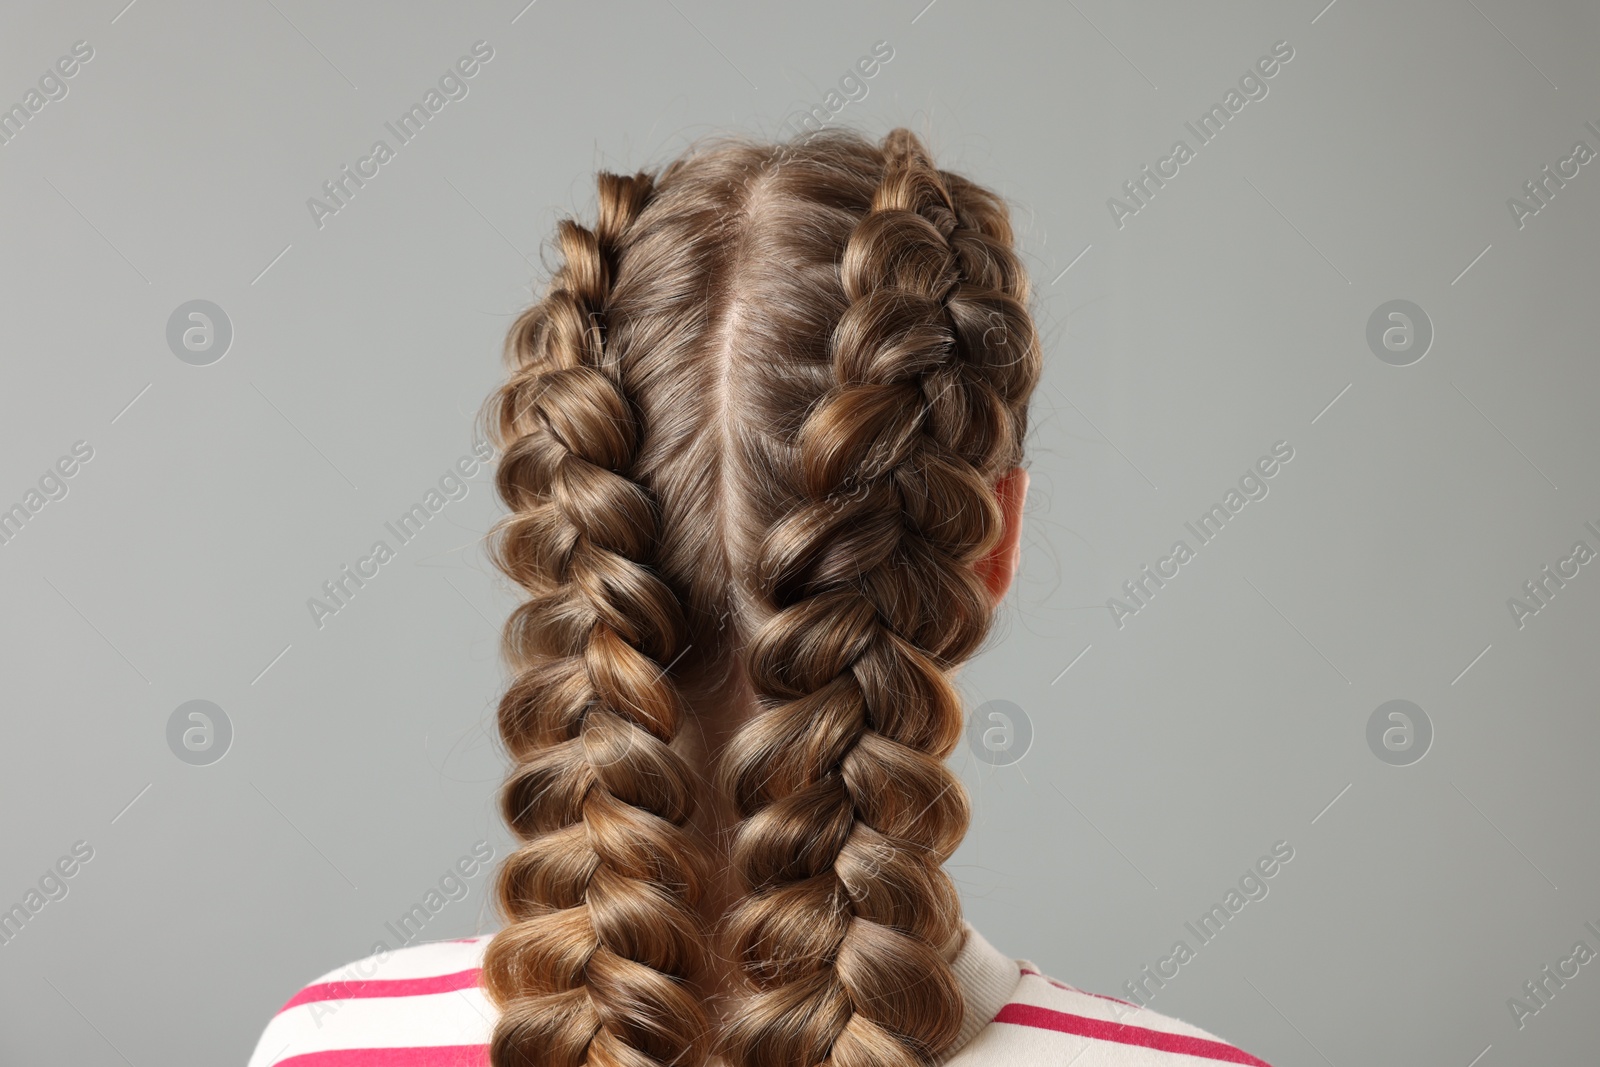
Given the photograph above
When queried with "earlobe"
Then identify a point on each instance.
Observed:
(999, 567)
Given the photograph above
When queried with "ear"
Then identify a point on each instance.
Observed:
(1000, 565)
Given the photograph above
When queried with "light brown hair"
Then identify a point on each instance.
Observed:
(750, 441)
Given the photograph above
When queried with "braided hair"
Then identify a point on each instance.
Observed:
(600, 895)
(752, 436)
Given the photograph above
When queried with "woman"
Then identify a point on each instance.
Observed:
(760, 443)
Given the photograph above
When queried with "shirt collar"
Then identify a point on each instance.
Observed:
(987, 977)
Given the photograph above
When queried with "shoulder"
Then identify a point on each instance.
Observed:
(421, 1006)
(1048, 1021)
(418, 1006)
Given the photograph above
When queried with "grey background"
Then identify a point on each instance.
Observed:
(1228, 314)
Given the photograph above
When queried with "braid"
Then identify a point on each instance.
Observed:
(873, 597)
(601, 947)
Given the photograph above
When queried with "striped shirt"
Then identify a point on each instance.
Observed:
(421, 1006)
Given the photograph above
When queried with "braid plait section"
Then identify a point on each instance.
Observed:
(874, 596)
(601, 947)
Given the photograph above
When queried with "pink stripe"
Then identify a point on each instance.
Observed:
(1101, 1030)
(420, 1056)
(384, 987)
(1074, 989)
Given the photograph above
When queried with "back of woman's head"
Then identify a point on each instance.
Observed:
(750, 444)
